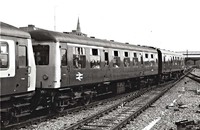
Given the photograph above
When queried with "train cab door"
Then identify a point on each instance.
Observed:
(106, 65)
(22, 78)
(64, 65)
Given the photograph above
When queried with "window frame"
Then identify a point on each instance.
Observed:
(7, 53)
(77, 55)
(127, 59)
(117, 59)
(66, 51)
(146, 55)
(41, 55)
(106, 57)
(26, 56)
(135, 59)
(95, 58)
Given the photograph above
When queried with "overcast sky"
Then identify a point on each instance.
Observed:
(167, 24)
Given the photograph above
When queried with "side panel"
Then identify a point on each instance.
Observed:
(18, 58)
(31, 68)
(79, 72)
(150, 63)
(117, 69)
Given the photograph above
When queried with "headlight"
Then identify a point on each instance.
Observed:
(45, 77)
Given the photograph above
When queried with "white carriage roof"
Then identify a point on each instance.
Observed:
(9, 30)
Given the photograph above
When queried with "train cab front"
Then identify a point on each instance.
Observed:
(48, 72)
(48, 68)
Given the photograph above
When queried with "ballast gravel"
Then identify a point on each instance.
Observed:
(182, 102)
(179, 103)
(67, 120)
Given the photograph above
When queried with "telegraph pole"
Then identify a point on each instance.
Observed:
(55, 18)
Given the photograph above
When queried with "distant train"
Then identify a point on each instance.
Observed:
(46, 69)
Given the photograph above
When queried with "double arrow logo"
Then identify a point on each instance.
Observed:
(79, 76)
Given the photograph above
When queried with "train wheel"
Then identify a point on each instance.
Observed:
(86, 99)
(58, 107)
(5, 119)
(5, 122)
(61, 102)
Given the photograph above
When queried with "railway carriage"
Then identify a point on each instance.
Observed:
(172, 64)
(17, 72)
(77, 67)
(51, 70)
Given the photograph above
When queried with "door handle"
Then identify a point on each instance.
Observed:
(22, 78)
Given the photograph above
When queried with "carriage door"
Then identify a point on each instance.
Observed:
(106, 68)
(142, 65)
(22, 69)
(64, 65)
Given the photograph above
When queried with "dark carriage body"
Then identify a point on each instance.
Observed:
(132, 61)
(17, 61)
(17, 73)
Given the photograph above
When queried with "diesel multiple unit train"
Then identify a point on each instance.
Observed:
(44, 69)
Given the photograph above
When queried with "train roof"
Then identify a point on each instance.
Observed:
(171, 53)
(9, 30)
(45, 35)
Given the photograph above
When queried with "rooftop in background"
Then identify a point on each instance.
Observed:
(75, 32)
(192, 57)
(191, 54)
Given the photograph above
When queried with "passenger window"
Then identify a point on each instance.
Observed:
(63, 57)
(106, 58)
(4, 55)
(116, 59)
(95, 59)
(126, 59)
(41, 54)
(22, 53)
(135, 55)
(135, 59)
(79, 58)
(151, 56)
(146, 55)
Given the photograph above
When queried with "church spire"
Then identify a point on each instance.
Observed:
(77, 31)
(78, 28)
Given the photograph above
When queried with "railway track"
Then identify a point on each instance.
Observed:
(194, 77)
(118, 115)
(50, 115)
(127, 98)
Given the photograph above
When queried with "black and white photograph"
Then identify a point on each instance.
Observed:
(100, 65)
